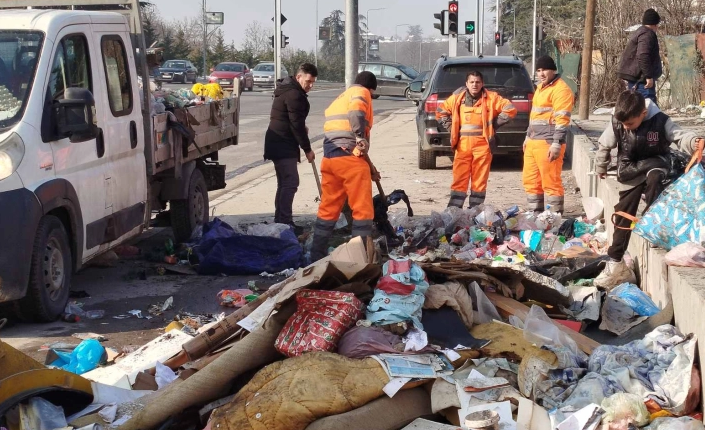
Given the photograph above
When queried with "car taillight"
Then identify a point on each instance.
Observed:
(431, 103)
(524, 106)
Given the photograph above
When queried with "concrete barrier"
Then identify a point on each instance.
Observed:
(684, 286)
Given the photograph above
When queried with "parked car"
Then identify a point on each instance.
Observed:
(392, 78)
(422, 77)
(226, 74)
(181, 71)
(264, 74)
(505, 75)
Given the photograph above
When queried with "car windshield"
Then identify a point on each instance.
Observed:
(19, 51)
(496, 76)
(408, 71)
(264, 68)
(229, 68)
(175, 64)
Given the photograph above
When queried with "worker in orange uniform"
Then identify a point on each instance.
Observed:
(544, 146)
(473, 114)
(345, 169)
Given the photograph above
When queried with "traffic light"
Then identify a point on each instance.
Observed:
(498, 38)
(469, 27)
(453, 18)
(442, 26)
(285, 40)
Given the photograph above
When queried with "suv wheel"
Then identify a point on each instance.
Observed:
(427, 158)
(375, 96)
(406, 93)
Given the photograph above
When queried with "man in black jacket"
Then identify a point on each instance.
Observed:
(641, 62)
(287, 132)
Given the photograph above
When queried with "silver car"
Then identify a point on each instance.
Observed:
(263, 74)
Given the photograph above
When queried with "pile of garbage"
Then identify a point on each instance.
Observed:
(350, 343)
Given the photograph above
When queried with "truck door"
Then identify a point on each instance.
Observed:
(81, 161)
(123, 131)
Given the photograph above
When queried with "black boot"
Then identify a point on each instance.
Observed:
(321, 236)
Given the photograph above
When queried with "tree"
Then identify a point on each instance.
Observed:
(293, 58)
(150, 22)
(335, 46)
(257, 39)
(415, 33)
(219, 52)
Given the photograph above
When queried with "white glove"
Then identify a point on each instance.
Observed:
(554, 151)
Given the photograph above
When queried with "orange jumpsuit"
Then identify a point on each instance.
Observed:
(548, 123)
(472, 124)
(345, 176)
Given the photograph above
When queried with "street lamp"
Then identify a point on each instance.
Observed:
(367, 20)
(395, 40)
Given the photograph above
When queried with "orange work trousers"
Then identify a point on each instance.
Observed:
(542, 176)
(346, 177)
(471, 166)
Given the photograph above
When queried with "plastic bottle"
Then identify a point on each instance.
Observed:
(95, 314)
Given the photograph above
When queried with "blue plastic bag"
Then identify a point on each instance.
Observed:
(85, 357)
(387, 308)
(678, 214)
(636, 299)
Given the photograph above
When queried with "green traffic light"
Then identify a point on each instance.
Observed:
(469, 27)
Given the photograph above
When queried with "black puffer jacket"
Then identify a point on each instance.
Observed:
(641, 59)
(287, 122)
(643, 149)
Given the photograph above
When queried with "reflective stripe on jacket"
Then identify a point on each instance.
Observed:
(349, 117)
(550, 114)
(490, 112)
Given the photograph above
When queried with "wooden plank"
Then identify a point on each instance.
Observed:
(507, 306)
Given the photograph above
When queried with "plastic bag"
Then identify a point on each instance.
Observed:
(531, 238)
(392, 308)
(622, 409)
(268, 230)
(85, 357)
(486, 312)
(687, 254)
(540, 330)
(636, 299)
(682, 423)
(581, 228)
(164, 375)
(44, 415)
(402, 277)
(400, 218)
(235, 298)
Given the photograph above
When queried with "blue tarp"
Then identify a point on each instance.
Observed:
(221, 250)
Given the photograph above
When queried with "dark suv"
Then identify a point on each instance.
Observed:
(505, 75)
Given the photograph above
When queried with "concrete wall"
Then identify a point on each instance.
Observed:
(684, 286)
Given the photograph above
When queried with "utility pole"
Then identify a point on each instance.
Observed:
(533, 47)
(496, 28)
(315, 28)
(277, 41)
(352, 41)
(476, 37)
(205, 39)
(584, 98)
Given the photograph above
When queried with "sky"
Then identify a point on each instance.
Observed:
(301, 15)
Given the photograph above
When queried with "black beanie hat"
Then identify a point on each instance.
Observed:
(546, 62)
(651, 17)
(367, 80)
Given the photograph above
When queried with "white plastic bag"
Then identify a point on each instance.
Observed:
(486, 312)
(269, 230)
(687, 254)
(682, 423)
(540, 330)
(622, 409)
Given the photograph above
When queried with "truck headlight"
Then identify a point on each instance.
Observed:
(11, 154)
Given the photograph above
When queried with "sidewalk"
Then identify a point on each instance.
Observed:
(250, 197)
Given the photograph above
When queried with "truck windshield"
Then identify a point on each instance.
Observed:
(19, 52)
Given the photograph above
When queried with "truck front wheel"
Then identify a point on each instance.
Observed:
(50, 275)
(189, 213)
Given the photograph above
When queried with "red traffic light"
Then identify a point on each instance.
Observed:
(453, 7)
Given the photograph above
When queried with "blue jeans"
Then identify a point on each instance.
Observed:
(648, 93)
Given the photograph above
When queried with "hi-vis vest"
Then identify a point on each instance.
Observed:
(347, 118)
(550, 113)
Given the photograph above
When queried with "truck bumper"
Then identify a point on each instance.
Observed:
(19, 218)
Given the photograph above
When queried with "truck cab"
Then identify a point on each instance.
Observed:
(79, 173)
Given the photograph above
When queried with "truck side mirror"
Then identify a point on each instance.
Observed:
(74, 115)
(416, 87)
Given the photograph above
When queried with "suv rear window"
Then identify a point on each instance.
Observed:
(495, 76)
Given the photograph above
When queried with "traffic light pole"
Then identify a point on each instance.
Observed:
(476, 36)
(496, 28)
(352, 42)
(277, 41)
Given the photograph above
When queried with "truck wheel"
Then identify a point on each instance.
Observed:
(50, 273)
(191, 212)
(427, 159)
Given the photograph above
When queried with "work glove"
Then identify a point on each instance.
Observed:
(362, 146)
(554, 151)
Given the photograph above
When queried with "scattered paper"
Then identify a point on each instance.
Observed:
(477, 382)
(164, 375)
(108, 413)
(86, 336)
(122, 420)
(588, 418)
(424, 366)
(415, 340)
(259, 315)
(395, 385)
(452, 355)
(136, 312)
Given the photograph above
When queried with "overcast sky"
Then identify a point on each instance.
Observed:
(301, 15)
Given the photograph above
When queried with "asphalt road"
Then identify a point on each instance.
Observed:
(254, 117)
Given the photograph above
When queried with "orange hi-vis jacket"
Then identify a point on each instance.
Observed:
(550, 113)
(348, 118)
(491, 111)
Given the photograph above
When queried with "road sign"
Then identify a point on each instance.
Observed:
(283, 19)
(215, 18)
(323, 33)
(374, 45)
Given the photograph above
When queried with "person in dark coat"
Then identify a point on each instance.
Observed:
(640, 66)
(287, 132)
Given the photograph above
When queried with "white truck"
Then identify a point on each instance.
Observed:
(83, 163)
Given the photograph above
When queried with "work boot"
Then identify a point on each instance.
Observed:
(614, 274)
(297, 229)
(322, 233)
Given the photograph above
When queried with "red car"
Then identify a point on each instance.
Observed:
(226, 74)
